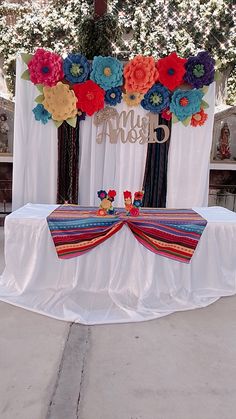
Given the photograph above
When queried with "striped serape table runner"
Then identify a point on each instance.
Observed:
(173, 233)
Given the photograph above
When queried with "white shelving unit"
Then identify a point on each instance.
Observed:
(223, 166)
(8, 158)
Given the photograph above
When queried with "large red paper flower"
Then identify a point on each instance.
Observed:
(45, 68)
(171, 70)
(140, 74)
(199, 118)
(90, 97)
(111, 193)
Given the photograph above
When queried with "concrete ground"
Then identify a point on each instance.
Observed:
(182, 366)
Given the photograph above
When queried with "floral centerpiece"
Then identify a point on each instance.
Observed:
(133, 209)
(106, 205)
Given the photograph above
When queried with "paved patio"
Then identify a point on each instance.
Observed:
(179, 367)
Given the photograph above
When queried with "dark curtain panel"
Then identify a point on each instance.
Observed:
(155, 177)
(68, 164)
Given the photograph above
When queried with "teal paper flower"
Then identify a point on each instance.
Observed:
(107, 72)
(185, 103)
(41, 114)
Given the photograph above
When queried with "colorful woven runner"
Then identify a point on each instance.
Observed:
(170, 233)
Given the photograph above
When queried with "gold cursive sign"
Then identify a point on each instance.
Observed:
(143, 129)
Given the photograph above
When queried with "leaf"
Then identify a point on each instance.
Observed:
(39, 99)
(58, 123)
(186, 121)
(204, 104)
(25, 75)
(26, 57)
(174, 118)
(40, 87)
(72, 121)
(204, 89)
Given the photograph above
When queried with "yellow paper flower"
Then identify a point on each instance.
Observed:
(132, 98)
(60, 101)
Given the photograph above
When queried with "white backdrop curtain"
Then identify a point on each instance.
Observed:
(115, 166)
(188, 161)
(35, 149)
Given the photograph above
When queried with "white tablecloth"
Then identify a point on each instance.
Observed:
(120, 280)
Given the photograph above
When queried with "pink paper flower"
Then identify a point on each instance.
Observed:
(45, 68)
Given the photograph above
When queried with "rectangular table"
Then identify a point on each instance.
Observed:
(119, 280)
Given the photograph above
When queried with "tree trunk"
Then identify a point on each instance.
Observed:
(100, 8)
(221, 86)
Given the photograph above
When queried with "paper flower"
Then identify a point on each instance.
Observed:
(41, 114)
(185, 103)
(60, 101)
(113, 96)
(156, 99)
(140, 74)
(90, 97)
(45, 68)
(166, 114)
(134, 211)
(200, 70)
(199, 118)
(127, 195)
(171, 70)
(76, 68)
(132, 98)
(102, 194)
(138, 195)
(107, 72)
(111, 194)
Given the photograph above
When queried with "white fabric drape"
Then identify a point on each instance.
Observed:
(110, 166)
(35, 149)
(189, 159)
(118, 281)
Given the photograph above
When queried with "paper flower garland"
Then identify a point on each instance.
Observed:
(41, 114)
(107, 198)
(156, 99)
(140, 74)
(76, 68)
(133, 209)
(200, 70)
(45, 68)
(90, 97)
(171, 70)
(146, 82)
(60, 101)
(107, 72)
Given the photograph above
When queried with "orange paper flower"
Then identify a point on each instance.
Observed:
(140, 74)
(199, 118)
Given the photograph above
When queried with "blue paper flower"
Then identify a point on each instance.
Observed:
(41, 114)
(107, 72)
(113, 96)
(156, 99)
(185, 103)
(76, 68)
